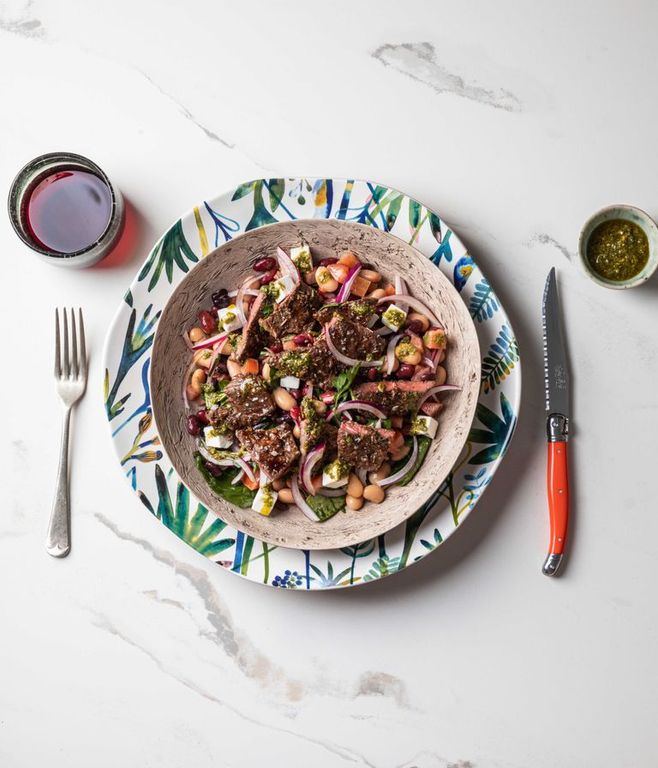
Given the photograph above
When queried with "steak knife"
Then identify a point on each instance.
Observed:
(556, 384)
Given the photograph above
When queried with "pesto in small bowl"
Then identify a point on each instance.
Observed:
(619, 247)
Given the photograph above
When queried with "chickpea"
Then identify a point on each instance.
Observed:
(289, 345)
(354, 487)
(374, 493)
(196, 334)
(192, 392)
(320, 407)
(309, 278)
(204, 358)
(234, 368)
(288, 482)
(296, 431)
(441, 375)
(396, 365)
(198, 379)
(416, 316)
(285, 496)
(325, 281)
(370, 274)
(353, 502)
(380, 474)
(407, 353)
(283, 399)
(378, 293)
(278, 484)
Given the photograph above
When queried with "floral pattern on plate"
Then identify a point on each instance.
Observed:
(128, 403)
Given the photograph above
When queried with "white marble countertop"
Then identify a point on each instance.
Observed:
(515, 121)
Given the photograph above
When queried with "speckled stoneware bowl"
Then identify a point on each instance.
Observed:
(628, 213)
(227, 267)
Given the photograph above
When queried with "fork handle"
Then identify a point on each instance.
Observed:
(58, 541)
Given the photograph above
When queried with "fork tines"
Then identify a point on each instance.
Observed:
(72, 366)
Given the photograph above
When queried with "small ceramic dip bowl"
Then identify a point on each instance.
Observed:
(625, 213)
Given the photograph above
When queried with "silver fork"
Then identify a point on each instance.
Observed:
(71, 380)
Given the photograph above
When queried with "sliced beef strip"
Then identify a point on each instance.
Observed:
(322, 365)
(273, 450)
(354, 340)
(315, 429)
(396, 398)
(362, 446)
(249, 402)
(359, 311)
(253, 338)
(294, 314)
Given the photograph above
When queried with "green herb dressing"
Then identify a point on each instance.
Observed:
(618, 250)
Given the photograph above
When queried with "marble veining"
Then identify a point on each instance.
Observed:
(419, 62)
(22, 22)
(542, 238)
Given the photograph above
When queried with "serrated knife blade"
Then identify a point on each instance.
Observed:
(556, 387)
(556, 372)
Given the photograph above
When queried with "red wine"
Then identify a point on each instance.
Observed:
(68, 211)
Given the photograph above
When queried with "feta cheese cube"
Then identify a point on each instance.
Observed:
(228, 318)
(301, 257)
(290, 382)
(216, 440)
(424, 425)
(264, 500)
(283, 287)
(394, 317)
(335, 475)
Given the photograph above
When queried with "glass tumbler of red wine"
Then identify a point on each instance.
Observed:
(65, 208)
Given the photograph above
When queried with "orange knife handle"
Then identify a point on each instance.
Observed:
(558, 496)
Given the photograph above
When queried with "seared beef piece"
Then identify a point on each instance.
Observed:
(249, 402)
(273, 450)
(355, 340)
(322, 365)
(294, 314)
(253, 337)
(359, 311)
(397, 398)
(315, 429)
(362, 446)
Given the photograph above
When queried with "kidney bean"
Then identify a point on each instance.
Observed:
(372, 374)
(326, 262)
(207, 321)
(406, 371)
(202, 416)
(303, 339)
(214, 470)
(193, 425)
(276, 346)
(415, 326)
(267, 278)
(264, 264)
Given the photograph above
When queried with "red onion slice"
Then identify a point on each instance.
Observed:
(247, 469)
(239, 299)
(346, 288)
(384, 331)
(362, 474)
(390, 353)
(312, 458)
(186, 381)
(401, 472)
(414, 304)
(287, 265)
(400, 286)
(332, 492)
(432, 362)
(344, 358)
(436, 390)
(238, 477)
(248, 292)
(299, 501)
(207, 343)
(357, 405)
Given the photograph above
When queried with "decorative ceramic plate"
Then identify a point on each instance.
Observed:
(127, 394)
